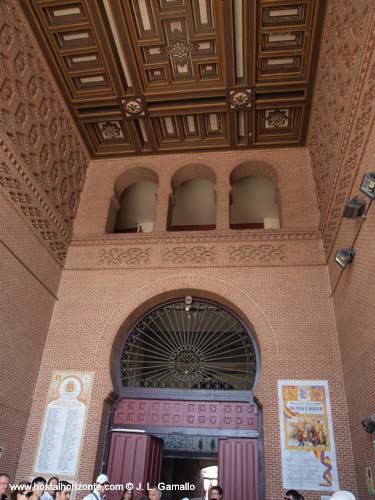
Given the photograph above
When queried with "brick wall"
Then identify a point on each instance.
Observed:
(42, 170)
(292, 168)
(290, 313)
(354, 302)
(29, 281)
(277, 281)
(342, 146)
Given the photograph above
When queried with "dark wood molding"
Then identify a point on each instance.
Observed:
(182, 68)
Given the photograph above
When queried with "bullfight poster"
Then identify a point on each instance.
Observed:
(308, 453)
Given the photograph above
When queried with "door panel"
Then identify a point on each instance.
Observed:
(154, 459)
(134, 458)
(238, 468)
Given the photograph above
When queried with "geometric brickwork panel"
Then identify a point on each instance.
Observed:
(345, 91)
(42, 159)
(149, 76)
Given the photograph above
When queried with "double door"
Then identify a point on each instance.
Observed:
(137, 458)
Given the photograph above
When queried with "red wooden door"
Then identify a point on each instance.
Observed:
(134, 458)
(238, 468)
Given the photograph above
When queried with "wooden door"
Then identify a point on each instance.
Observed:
(134, 458)
(238, 468)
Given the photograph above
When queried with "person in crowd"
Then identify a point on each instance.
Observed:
(128, 494)
(50, 491)
(343, 495)
(63, 490)
(216, 493)
(101, 485)
(38, 485)
(22, 491)
(293, 495)
(142, 496)
(4, 481)
(154, 493)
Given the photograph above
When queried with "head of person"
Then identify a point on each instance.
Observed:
(293, 495)
(216, 493)
(38, 485)
(4, 481)
(154, 493)
(343, 495)
(102, 482)
(63, 491)
(128, 494)
(22, 491)
(52, 484)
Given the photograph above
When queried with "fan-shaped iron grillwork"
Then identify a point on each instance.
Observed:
(184, 345)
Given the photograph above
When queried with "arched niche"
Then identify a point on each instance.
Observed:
(192, 204)
(254, 197)
(133, 203)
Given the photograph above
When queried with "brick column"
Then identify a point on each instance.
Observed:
(161, 205)
(222, 206)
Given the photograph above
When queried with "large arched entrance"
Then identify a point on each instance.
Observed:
(185, 416)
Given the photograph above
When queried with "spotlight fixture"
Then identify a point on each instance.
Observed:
(344, 256)
(369, 423)
(368, 185)
(354, 208)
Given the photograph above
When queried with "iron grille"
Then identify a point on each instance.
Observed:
(189, 346)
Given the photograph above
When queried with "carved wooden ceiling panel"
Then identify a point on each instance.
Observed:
(149, 76)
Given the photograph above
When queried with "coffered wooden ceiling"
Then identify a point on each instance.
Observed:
(148, 76)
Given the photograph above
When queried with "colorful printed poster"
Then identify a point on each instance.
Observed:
(308, 453)
(64, 424)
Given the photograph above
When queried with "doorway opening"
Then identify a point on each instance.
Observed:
(186, 413)
(189, 463)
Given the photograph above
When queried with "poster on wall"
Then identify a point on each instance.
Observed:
(308, 453)
(64, 423)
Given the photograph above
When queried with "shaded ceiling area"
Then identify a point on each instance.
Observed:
(153, 76)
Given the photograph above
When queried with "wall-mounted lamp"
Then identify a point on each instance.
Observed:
(354, 208)
(368, 185)
(344, 256)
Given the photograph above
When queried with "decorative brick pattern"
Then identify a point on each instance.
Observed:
(188, 255)
(345, 91)
(342, 146)
(261, 253)
(38, 136)
(31, 203)
(129, 256)
(276, 279)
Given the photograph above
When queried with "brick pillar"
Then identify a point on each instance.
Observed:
(222, 207)
(161, 206)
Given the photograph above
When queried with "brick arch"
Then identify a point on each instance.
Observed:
(254, 168)
(192, 171)
(132, 176)
(139, 303)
